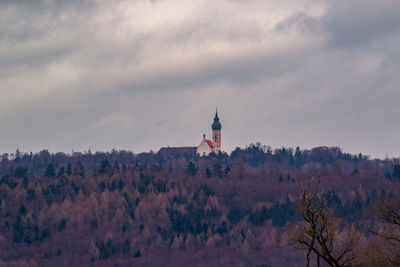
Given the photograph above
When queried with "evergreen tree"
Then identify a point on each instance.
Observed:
(298, 157)
(208, 173)
(105, 167)
(217, 168)
(22, 210)
(396, 171)
(191, 169)
(61, 172)
(50, 171)
(69, 169)
(137, 254)
(20, 172)
(62, 225)
(79, 169)
(116, 165)
(227, 170)
(25, 182)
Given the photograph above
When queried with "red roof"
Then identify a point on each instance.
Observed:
(209, 143)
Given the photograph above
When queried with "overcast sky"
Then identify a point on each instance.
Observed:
(138, 75)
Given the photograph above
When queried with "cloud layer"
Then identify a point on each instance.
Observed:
(143, 74)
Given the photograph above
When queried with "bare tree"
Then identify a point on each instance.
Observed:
(387, 211)
(319, 234)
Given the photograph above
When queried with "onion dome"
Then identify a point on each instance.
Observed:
(216, 125)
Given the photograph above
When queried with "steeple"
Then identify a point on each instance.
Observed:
(216, 125)
(216, 131)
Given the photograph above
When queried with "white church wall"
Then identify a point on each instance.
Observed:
(203, 149)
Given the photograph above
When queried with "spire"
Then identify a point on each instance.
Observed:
(216, 125)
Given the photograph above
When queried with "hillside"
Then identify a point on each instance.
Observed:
(121, 208)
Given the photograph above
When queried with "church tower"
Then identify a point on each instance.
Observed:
(216, 132)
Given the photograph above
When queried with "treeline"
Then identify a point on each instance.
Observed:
(253, 155)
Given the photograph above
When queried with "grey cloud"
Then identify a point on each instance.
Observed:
(301, 21)
(44, 6)
(241, 70)
(356, 22)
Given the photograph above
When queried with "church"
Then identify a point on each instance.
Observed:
(205, 148)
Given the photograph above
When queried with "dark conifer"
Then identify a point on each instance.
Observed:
(50, 171)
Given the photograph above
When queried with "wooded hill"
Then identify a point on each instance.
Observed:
(122, 209)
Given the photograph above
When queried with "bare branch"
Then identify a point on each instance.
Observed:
(318, 233)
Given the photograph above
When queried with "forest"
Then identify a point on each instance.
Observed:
(256, 206)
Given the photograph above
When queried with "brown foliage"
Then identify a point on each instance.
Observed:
(387, 211)
(319, 233)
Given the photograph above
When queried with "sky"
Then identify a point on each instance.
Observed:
(142, 74)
